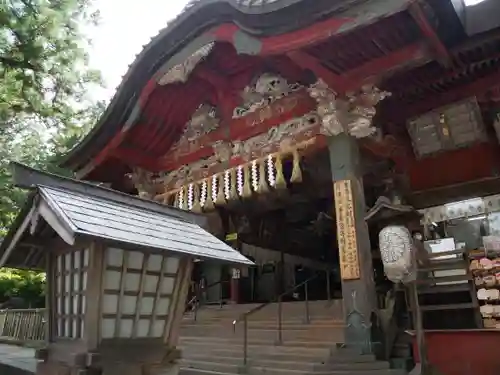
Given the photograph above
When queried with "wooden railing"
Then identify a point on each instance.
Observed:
(22, 325)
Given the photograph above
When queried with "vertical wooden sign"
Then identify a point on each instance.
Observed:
(346, 230)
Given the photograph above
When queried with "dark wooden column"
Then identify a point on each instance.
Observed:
(233, 241)
(358, 287)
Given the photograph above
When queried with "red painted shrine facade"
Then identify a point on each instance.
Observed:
(232, 97)
(226, 97)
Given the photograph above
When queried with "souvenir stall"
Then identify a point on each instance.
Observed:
(469, 232)
(474, 226)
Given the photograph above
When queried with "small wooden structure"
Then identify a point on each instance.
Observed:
(118, 270)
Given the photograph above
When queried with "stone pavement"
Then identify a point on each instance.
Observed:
(16, 360)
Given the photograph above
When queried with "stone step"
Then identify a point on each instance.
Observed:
(260, 370)
(299, 364)
(271, 335)
(268, 326)
(327, 316)
(192, 371)
(327, 322)
(260, 352)
(223, 341)
(285, 353)
(229, 329)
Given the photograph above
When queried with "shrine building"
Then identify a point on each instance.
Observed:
(285, 121)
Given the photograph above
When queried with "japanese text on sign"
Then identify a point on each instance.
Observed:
(346, 230)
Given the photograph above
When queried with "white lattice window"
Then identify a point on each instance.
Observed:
(71, 283)
(137, 294)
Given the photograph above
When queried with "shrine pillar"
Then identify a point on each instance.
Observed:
(345, 119)
(358, 287)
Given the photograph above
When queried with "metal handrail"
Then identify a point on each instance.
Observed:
(195, 300)
(244, 317)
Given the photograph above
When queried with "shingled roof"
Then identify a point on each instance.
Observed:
(74, 210)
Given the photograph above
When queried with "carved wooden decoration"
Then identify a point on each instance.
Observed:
(244, 156)
(181, 72)
(346, 231)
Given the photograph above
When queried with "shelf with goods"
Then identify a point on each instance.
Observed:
(485, 268)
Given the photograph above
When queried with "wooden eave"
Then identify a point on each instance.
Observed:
(79, 213)
(272, 20)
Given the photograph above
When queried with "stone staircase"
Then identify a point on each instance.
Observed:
(211, 345)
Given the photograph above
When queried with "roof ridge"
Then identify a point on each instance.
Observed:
(29, 178)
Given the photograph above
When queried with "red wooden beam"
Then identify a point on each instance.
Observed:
(306, 61)
(428, 31)
(355, 78)
(283, 43)
(405, 56)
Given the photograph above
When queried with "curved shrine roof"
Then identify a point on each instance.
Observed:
(416, 49)
(197, 27)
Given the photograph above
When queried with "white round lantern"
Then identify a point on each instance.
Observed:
(397, 252)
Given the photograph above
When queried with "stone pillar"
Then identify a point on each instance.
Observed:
(358, 287)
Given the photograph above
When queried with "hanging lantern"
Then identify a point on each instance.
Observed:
(398, 254)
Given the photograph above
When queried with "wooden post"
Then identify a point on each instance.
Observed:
(233, 241)
(356, 267)
(235, 286)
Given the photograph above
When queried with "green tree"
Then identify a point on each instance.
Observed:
(44, 103)
(30, 286)
(43, 62)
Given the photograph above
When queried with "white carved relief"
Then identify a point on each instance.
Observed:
(203, 121)
(144, 183)
(181, 72)
(363, 111)
(281, 134)
(249, 149)
(327, 108)
(353, 115)
(223, 150)
(267, 89)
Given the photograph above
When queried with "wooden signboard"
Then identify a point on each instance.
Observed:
(346, 231)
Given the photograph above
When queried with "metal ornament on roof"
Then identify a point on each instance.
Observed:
(181, 72)
(397, 252)
(256, 3)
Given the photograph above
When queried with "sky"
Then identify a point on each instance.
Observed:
(125, 27)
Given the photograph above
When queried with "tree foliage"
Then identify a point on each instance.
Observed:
(45, 107)
(29, 286)
(43, 61)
